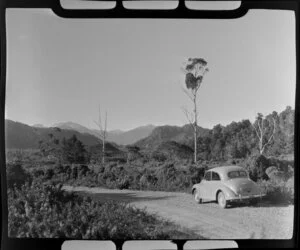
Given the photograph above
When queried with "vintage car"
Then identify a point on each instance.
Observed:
(226, 185)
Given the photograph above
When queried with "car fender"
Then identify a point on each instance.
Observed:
(228, 192)
(195, 186)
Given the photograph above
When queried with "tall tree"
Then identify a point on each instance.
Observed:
(194, 70)
(102, 132)
(264, 131)
(50, 146)
(73, 150)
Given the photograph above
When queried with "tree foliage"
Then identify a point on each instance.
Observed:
(74, 151)
(16, 175)
(239, 139)
(50, 146)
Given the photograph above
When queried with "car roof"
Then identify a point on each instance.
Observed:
(226, 169)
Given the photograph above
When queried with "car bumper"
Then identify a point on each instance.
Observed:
(246, 197)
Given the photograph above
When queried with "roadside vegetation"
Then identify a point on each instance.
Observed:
(39, 209)
(274, 175)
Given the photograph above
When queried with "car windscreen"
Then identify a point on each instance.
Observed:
(237, 174)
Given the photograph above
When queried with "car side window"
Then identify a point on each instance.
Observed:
(207, 176)
(215, 177)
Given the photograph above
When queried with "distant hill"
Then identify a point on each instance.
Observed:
(38, 125)
(112, 151)
(172, 150)
(181, 135)
(131, 136)
(74, 126)
(22, 136)
(117, 136)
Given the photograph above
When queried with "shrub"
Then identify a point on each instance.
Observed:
(197, 173)
(73, 150)
(124, 182)
(74, 172)
(278, 191)
(257, 166)
(83, 170)
(275, 174)
(16, 175)
(49, 174)
(46, 211)
(59, 169)
(158, 156)
(37, 173)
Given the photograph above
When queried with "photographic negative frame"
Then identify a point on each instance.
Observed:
(119, 12)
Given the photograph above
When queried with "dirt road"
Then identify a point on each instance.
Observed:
(262, 221)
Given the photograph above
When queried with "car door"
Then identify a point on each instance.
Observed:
(215, 184)
(205, 186)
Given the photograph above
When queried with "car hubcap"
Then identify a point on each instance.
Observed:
(221, 200)
(197, 197)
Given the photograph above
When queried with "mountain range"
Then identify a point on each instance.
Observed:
(183, 135)
(235, 140)
(22, 136)
(117, 136)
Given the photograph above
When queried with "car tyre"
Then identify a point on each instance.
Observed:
(254, 202)
(197, 197)
(222, 200)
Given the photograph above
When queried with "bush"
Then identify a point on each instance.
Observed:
(164, 176)
(73, 151)
(124, 182)
(83, 170)
(49, 174)
(16, 175)
(197, 173)
(257, 166)
(59, 169)
(46, 211)
(278, 192)
(37, 173)
(74, 172)
(158, 156)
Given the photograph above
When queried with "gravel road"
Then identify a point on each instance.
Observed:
(262, 221)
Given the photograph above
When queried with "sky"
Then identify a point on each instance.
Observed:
(61, 70)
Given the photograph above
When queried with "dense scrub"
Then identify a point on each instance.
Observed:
(273, 175)
(16, 175)
(46, 211)
(167, 176)
(278, 192)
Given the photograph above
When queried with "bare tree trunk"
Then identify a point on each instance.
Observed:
(195, 129)
(104, 138)
(260, 132)
(261, 151)
(103, 150)
(102, 132)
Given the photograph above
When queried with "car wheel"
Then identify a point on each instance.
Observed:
(254, 202)
(197, 197)
(222, 200)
